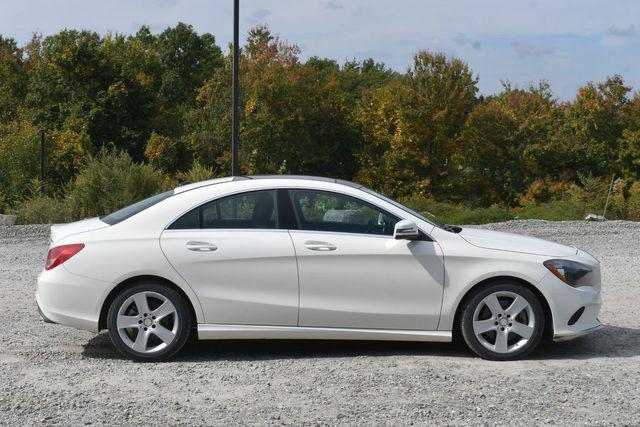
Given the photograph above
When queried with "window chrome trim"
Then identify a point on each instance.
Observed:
(344, 233)
(224, 230)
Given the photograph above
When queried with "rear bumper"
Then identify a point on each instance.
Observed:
(44, 316)
(68, 299)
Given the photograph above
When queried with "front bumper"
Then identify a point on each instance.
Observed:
(565, 301)
(69, 299)
(567, 337)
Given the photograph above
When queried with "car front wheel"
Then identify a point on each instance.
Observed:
(149, 322)
(502, 321)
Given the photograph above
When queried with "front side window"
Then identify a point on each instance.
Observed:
(256, 209)
(325, 211)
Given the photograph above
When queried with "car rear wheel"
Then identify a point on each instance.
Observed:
(149, 322)
(502, 321)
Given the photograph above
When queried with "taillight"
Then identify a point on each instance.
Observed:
(60, 254)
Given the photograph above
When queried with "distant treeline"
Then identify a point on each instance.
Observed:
(164, 99)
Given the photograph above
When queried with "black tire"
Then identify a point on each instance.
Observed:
(181, 332)
(520, 346)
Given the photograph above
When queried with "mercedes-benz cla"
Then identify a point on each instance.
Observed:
(308, 258)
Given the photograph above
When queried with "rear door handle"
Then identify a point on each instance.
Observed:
(315, 245)
(196, 246)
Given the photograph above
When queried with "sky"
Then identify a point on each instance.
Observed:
(566, 42)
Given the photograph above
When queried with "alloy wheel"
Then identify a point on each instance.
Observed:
(147, 322)
(504, 322)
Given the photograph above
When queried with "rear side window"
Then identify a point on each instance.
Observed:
(136, 208)
(253, 210)
(325, 211)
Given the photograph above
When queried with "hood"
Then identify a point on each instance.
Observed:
(515, 243)
(58, 231)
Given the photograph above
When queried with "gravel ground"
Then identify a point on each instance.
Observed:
(52, 374)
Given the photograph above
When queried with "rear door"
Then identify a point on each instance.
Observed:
(239, 261)
(354, 274)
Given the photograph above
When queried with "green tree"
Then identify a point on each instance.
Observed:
(294, 116)
(13, 79)
(504, 145)
(592, 127)
(420, 117)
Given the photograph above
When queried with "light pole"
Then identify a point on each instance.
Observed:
(236, 91)
(42, 158)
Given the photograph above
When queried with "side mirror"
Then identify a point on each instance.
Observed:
(407, 230)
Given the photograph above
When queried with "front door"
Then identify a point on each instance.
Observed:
(354, 274)
(237, 260)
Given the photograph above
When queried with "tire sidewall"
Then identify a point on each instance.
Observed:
(184, 325)
(466, 320)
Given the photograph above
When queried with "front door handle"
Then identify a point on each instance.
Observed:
(315, 245)
(201, 246)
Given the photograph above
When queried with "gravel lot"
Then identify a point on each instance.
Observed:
(52, 374)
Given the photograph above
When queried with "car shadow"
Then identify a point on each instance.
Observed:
(612, 341)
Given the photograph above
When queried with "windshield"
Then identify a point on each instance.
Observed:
(431, 220)
(131, 210)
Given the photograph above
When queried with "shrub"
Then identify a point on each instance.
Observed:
(107, 182)
(3, 200)
(38, 209)
(555, 210)
(592, 196)
(544, 190)
(458, 214)
(198, 172)
(110, 181)
(20, 157)
(633, 202)
(44, 210)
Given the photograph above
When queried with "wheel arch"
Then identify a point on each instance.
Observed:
(102, 320)
(548, 315)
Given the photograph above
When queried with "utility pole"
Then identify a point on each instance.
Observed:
(42, 132)
(606, 204)
(236, 90)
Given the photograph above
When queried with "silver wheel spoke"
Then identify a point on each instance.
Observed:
(492, 302)
(510, 334)
(141, 342)
(146, 322)
(163, 311)
(482, 326)
(517, 306)
(141, 303)
(525, 331)
(501, 341)
(127, 321)
(164, 334)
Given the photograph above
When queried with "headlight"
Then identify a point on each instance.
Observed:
(570, 272)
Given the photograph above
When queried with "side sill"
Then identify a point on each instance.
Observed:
(231, 332)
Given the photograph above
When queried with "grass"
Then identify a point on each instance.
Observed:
(556, 210)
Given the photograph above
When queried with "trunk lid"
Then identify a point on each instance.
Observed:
(58, 231)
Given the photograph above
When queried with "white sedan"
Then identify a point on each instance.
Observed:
(276, 257)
